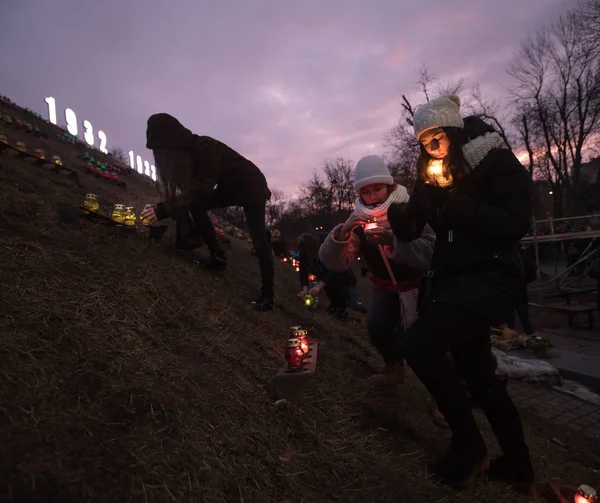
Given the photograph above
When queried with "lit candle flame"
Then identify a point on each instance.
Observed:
(435, 171)
(436, 168)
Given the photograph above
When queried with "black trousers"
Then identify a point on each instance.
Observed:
(522, 310)
(384, 319)
(255, 218)
(443, 328)
(341, 290)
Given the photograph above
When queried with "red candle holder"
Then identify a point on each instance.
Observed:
(304, 343)
(294, 355)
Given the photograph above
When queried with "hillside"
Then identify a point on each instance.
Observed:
(129, 375)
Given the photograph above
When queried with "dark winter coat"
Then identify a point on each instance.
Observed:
(239, 181)
(476, 263)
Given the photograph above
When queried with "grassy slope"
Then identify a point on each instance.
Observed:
(127, 375)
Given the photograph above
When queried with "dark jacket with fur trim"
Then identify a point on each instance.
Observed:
(476, 262)
(239, 181)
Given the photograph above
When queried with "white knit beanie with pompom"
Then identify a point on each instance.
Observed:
(440, 112)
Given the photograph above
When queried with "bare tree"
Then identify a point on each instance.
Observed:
(332, 189)
(119, 154)
(590, 15)
(234, 215)
(521, 122)
(339, 178)
(557, 81)
(317, 195)
(275, 207)
(490, 110)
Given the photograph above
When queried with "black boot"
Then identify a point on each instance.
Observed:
(514, 466)
(263, 303)
(466, 459)
(515, 471)
(216, 262)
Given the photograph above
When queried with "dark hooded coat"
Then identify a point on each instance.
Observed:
(476, 261)
(238, 181)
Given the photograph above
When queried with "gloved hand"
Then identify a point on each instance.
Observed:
(436, 194)
(401, 221)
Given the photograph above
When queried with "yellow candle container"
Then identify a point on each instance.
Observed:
(118, 213)
(145, 221)
(129, 217)
(91, 203)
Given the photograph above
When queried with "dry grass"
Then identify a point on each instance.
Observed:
(128, 375)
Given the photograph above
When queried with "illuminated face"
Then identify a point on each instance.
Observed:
(435, 142)
(374, 194)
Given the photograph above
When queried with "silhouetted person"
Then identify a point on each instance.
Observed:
(199, 173)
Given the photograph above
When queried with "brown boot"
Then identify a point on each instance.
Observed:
(392, 375)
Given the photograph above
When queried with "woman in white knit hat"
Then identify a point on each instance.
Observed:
(396, 268)
(477, 197)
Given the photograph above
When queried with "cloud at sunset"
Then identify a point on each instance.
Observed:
(287, 84)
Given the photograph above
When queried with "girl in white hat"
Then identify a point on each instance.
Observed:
(396, 268)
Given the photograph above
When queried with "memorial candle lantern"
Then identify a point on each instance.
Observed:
(118, 213)
(129, 217)
(370, 226)
(585, 494)
(91, 203)
(303, 338)
(310, 301)
(293, 353)
(145, 221)
(312, 277)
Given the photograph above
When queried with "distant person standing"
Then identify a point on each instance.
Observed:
(199, 173)
(522, 308)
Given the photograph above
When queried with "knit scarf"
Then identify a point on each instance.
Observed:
(476, 150)
(379, 213)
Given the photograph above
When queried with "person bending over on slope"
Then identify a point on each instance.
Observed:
(199, 173)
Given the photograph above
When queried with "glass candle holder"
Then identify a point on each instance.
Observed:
(91, 203)
(294, 354)
(129, 216)
(118, 213)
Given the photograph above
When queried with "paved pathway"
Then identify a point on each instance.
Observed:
(558, 408)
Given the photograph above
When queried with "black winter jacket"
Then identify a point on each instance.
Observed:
(476, 263)
(239, 181)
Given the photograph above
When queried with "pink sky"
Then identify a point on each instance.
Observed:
(287, 84)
